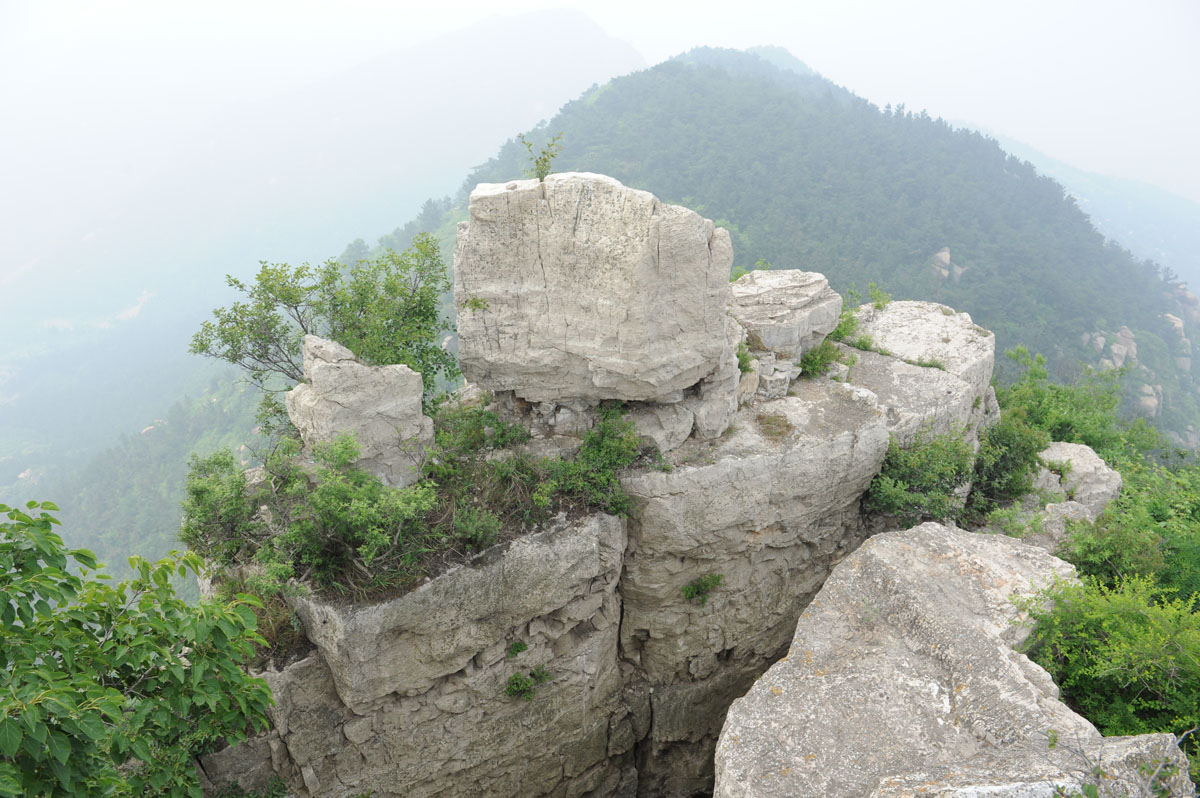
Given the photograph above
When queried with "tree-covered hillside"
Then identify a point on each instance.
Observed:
(806, 175)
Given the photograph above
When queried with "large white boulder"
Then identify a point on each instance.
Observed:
(902, 680)
(581, 288)
(380, 405)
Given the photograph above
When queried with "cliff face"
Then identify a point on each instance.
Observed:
(571, 292)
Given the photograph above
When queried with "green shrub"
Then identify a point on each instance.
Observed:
(1125, 657)
(817, 360)
(524, 686)
(919, 481)
(879, 297)
(699, 588)
(516, 648)
(743, 358)
(1006, 462)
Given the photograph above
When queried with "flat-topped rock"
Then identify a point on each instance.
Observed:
(916, 399)
(790, 311)
(581, 288)
(902, 679)
(379, 405)
(927, 332)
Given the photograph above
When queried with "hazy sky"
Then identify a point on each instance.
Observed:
(1108, 86)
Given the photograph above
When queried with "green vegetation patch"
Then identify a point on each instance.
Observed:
(699, 589)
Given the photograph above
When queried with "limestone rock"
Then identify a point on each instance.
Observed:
(714, 401)
(770, 514)
(917, 399)
(929, 332)
(1088, 481)
(380, 405)
(902, 680)
(662, 426)
(593, 291)
(403, 645)
(790, 311)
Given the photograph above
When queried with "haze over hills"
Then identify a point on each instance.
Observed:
(1152, 222)
(117, 264)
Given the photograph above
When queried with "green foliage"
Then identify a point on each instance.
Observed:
(1082, 412)
(386, 310)
(516, 648)
(1125, 656)
(1006, 462)
(816, 361)
(699, 588)
(339, 529)
(879, 297)
(113, 689)
(524, 686)
(743, 358)
(539, 162)
(276, 788)
(919, 481)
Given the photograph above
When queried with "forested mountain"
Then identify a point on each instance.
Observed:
(806, 175)
(1151, 222)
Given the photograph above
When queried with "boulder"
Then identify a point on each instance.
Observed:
(902, 679)
(380, 405)
(790, 311)
(926, 332)
(1088, 481)
(581, 288)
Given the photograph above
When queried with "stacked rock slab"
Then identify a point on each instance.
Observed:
(379, 405)
(902, 680)
(789, 311)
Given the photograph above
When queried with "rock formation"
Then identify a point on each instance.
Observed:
(789, 311)
(581, 288)
(380, 405)
(572, 292)
(902, 680)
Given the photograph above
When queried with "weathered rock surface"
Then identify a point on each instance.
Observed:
(1088, 480)
(902, 680)
(917, 400)
(593, 291)
(790, 311)
(402, 646)
(412, 701)
(380, 405)
(929, 332)
(770, 509)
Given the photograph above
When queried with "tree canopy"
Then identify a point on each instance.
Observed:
(113, 689)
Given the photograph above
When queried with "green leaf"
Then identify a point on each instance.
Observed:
(141, 749)
(10, 737)
(60, 747)
(10, 785)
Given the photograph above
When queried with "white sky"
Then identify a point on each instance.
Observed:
(1107, 86)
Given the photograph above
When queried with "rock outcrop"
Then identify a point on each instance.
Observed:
(380, 405)
(902, 680)
(581, 288)
(577, 291)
